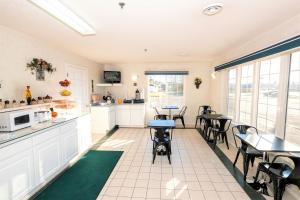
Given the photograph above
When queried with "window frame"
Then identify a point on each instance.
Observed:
(183, 91)
(282, 101)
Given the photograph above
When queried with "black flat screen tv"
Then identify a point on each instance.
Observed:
(112, 77)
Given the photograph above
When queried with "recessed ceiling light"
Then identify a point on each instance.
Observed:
(212, 9)
(65, 15)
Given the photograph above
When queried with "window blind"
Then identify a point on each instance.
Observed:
(166, 72)
(276, 48)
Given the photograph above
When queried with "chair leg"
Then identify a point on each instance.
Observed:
(226, 140)
(246, 165)
(168, 153)
(252, 161)
(215, 138)
(257, 174)
(196, 123)
(279, 188)
(237, 156)
(182, 120)
(154, 155)
(208, 134)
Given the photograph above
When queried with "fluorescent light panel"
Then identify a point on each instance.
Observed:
(65, 15)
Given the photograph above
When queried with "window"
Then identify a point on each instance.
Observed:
(165, 90)
(268, 95)
(231, 93)
(293, 106)
(246, 93)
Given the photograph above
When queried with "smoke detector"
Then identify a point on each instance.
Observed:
(212, 9)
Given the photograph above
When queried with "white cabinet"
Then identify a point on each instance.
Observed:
(47, 154)
(84, 133)
(69, 141)
(136, 117)
(123, 115)
(131, 115)
(16, 170)
(103, 119)
(112, 118)
(27, 165)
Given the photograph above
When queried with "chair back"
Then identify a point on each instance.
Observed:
(203, 109)
(294, 177)
(243, 129)
(182, 111)
(156, 110)
(223, 124)
(160, 117)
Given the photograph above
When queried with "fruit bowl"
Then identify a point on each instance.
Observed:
(65, 93)
(65, 83)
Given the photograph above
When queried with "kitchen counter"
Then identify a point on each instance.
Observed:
(7, 138)
(33, 157)
(106, 117)
(114, 104)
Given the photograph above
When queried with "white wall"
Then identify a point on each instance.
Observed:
(17, 49)
(194, 97)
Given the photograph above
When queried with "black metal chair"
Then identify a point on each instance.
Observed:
(248, 152)
(220, 127)
(281, 174)
(180, 115)
(202, 110)
(161, 143)
(160, 116)
(207, 124)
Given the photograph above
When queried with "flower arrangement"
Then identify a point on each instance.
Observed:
(38, 64)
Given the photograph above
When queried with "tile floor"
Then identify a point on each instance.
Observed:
(195, 172)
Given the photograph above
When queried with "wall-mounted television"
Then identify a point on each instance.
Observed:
(112, 77)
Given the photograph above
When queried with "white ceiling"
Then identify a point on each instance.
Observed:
(169, 29)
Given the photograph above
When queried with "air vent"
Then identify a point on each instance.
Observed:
(213, 9)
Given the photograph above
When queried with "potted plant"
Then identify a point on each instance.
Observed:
(39, 66)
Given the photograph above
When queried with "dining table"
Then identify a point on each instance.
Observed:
(266, 143)
(170, 108)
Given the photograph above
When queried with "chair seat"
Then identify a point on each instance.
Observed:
(252, 151)
(278, 169)
(176, 116)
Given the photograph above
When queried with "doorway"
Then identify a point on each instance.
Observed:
(79, 85)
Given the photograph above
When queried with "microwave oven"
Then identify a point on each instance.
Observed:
(15, 120)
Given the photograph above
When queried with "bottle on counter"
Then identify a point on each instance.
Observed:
(137, 95)
(6, 104)
(22, 103)
(1, 104)
(28, 95)
(15, 104)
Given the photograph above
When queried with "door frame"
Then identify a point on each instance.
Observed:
(86, 87)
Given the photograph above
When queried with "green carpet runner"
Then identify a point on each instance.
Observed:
(85, 179)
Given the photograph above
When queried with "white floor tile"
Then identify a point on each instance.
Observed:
(195, 172)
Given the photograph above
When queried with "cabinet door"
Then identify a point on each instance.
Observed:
(137, 117)
(123, 117)
(112, 119)
(47, 157)
(84, 132)
(16, 176)
(69, 145)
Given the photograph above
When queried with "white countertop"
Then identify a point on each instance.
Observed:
(7, 137)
